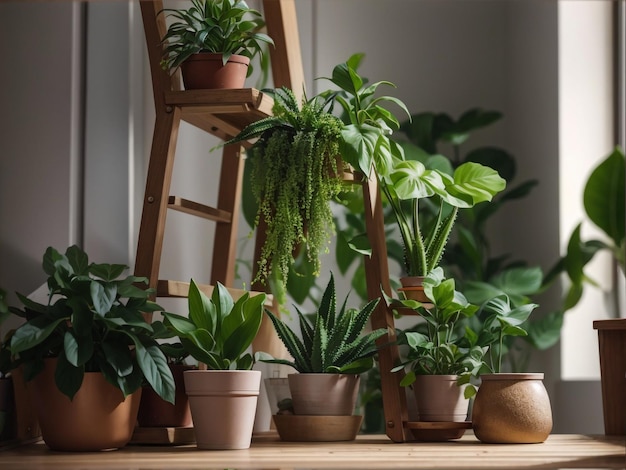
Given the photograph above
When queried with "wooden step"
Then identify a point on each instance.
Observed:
(169, 288)
(199, 210)
(223, 113)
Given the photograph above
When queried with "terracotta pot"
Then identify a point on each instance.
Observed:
(156, 412)
(412, 288)
(206, 71)
(98, 417)
(223, 406)
(439, 398)
(26, 423)
(512, 408)
(324, 394)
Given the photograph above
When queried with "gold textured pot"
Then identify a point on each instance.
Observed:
(512, 409)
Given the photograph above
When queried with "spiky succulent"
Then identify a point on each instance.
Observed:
(332, 341)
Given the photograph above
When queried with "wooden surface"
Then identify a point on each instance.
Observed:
(367, 452)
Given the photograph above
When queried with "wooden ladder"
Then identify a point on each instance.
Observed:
(224, 113)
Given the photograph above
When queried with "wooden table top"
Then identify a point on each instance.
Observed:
(366, 452)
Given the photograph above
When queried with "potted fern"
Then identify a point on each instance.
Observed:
(218, 333)
(296, 172)
(213, 42)
(330, 357)
(87, 352)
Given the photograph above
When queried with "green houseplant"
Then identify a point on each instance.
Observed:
(89, 337)
(296, 172)
(442, 356)
(332, 349)
(218, 31)
(509, 407)
(367, 145)
(218, 333)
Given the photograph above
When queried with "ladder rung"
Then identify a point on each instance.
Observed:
(167, 288)
(199, 210)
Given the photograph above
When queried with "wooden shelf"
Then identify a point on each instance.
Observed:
(223, 113)
(199, 210)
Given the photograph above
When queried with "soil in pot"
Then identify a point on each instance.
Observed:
(98, 418)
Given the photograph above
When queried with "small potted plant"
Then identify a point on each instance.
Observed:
(213, 42)
(86, 352)
(296, 173)
(442, 356)
(509, 408)
(330, 357)
(218, 333)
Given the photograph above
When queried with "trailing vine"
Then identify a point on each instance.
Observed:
(294, 177)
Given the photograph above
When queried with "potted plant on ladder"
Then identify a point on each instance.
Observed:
(218, 333)
(213, 42)
(442, 358)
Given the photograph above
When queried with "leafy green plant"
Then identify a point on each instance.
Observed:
(409, 182)
(218, 331)
(295, 175)
(441, 347)
(468, 257)
(225, 27)
(366, 137)
(603, 200)
(6, 363)
(92, 322)
(500, 319)
(332, 341)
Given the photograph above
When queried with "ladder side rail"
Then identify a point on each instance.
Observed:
(377, 278)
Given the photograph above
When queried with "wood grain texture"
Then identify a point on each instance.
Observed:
(367, 452)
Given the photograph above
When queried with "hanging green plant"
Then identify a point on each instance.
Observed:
(295, 175)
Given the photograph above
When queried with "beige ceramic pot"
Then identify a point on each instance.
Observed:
(98, 417)
(206, 71)
(324, 394)
(156, 412)
(223, 406)
(439, 398)
(512, 408)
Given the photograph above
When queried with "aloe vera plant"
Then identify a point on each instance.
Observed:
(332, 341)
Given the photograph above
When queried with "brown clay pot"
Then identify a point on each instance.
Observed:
(98, 417)
(206, 71)
(512, 409)
(412, 288)
(156, 412)
(223, 406)
(324, 394)
(439, 398)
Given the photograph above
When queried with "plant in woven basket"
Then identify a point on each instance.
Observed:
(332, 341)
(295, 175)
